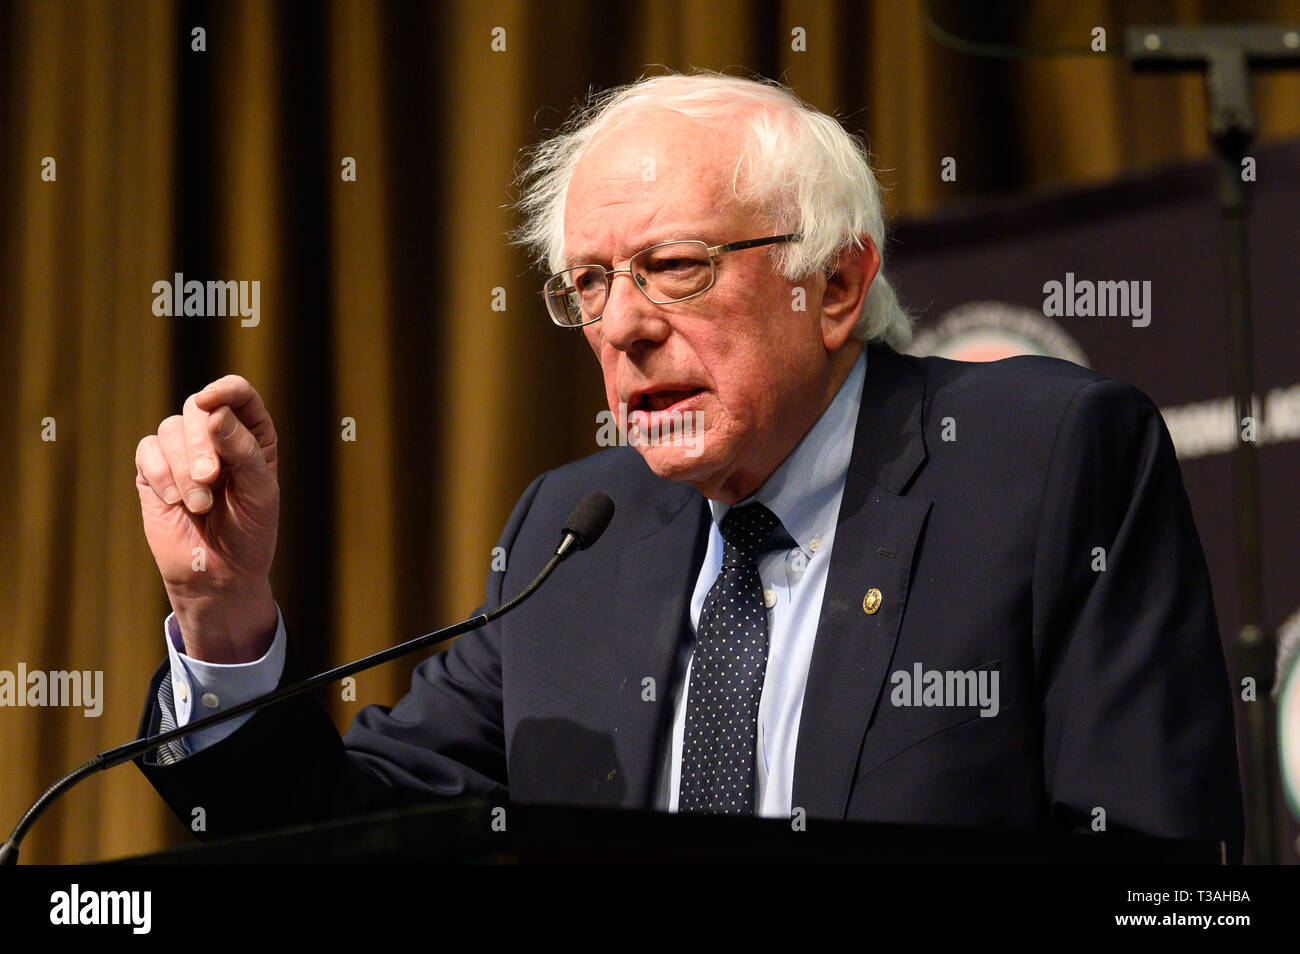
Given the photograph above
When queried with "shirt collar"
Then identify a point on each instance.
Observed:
(804, 490)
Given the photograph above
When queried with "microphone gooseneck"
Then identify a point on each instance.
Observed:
(585, 525)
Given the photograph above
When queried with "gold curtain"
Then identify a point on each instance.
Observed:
(382, 298)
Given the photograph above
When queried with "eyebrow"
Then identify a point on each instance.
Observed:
(571, 260)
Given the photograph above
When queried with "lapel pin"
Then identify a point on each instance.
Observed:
(871, 602)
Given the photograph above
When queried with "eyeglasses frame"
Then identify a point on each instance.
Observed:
(713, 251)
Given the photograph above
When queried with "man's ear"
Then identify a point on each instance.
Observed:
(846, 290)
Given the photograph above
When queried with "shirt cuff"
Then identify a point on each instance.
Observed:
(201, 689)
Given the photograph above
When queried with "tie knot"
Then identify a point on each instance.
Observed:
(745, 533)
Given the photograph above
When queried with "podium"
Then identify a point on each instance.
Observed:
(477, 832)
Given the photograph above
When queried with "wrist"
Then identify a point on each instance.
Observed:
(237, 626)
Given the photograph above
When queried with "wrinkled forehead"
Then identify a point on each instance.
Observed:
(653, 178)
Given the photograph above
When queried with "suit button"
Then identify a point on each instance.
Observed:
(871, 602)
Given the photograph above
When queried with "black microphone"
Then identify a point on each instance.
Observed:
(585, 525)
(587, 522)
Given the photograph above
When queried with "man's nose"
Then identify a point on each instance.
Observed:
(630, 317)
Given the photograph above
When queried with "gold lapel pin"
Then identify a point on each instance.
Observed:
(871, 602)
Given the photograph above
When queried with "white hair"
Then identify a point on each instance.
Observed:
(797, 166)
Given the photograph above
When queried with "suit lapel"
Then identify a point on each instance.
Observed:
(875, 538)
(656, 577)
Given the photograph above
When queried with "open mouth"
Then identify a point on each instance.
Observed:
(659, 401)
(665, 414)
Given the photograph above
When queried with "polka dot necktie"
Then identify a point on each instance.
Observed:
(727, 670)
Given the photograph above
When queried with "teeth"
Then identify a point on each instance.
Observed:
(664, 399)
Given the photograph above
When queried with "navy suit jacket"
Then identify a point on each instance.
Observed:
(975, 501)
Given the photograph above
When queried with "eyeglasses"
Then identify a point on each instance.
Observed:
(665, 273)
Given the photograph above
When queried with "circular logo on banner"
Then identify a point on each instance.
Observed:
(992, 330)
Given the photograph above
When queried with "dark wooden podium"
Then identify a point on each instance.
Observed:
(468, 832)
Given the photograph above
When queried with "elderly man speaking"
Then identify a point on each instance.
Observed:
(840, 580)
